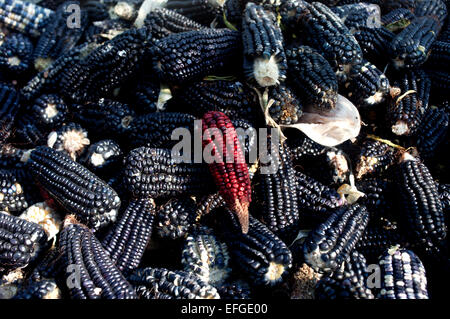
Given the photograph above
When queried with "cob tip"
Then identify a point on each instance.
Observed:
(241, 210)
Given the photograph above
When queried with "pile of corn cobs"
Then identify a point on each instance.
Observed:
(94, 204)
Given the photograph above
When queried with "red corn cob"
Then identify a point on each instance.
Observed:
(229, 169)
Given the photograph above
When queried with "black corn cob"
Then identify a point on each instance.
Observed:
(209, 203)
(375, 157)
(234, 290)
(358, 15)
(147, 96)
(15, 53)
(312, 76)
(43, 214)
(206, 256)
(378, 197)
(20, 241)
(44, 289)
(367, 85)
(89, 272)
(324, 31)
(374, 42)
(70, 138)
(330, 244)
(315, 196)
(12, 198)
(106, 67)
(27, 133)
(349, 282)
(105, 118)
(162, 22)
(101, 31)
(277, 196)
(402, 275)
(155, 129)
(9, 106)
(25, 17)
(49, 110)
(440, 81)
(264, 58)
(74, 187)
(421, 210)
(444, 194)
(126, 241)
(58, 36)
(155, 173)
(259, 254)
(192, 55)
(410, 48)
(103, 156)
(287, 108)
(160, 283)
(175, 218)
(96, 10)
(407, 109)
(233, 98)
(11, 157)
(304, 146)
(233, 9)
(376, 240)
(433, 8)
(397, 19)
(431, 132)
(388, 5)
(202, 11)
(439, 55)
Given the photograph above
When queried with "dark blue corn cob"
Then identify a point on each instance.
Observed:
(374, 158)
(101, 31)
(103, 157)
(440, 81)
(277, 196)
(324, 31)
(175, 218)
(153, 172)
(192, 55)
(402, 275)
(397, 19)
(44, 289)
(126, 241)
(11, 157)
(48, 80)
(378, 197)
(26, 17)
(233, 9)
(411, 47)
(74, 187)
(89, 271)
(439, 55)
(51, 4)
(349, 282)
(20, 241)
(389, 5)
(233, 98)
(423, 218)
(407, 109)
(374, 42)
(431, 132)
(304, 146)
(12, 197)
(58, 36)
(9, 106)
(155, 129)
(312, 76)
(444, 194)
(234, 290)
(15, 53)
(96, 10)
(202, 11)
(209, 203)
(27, 133)
(206, 256)
(264, 58)
(161, 283)
(287, 108)
(433, 8)
(106, 67)
(105, 118)
(367, 85)
(376, 240)
(358, 15)
(315, 196)
(147, 96)
(260, 255)
(49, 110)
(330, 244)
(162, 22)
(71, 139)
